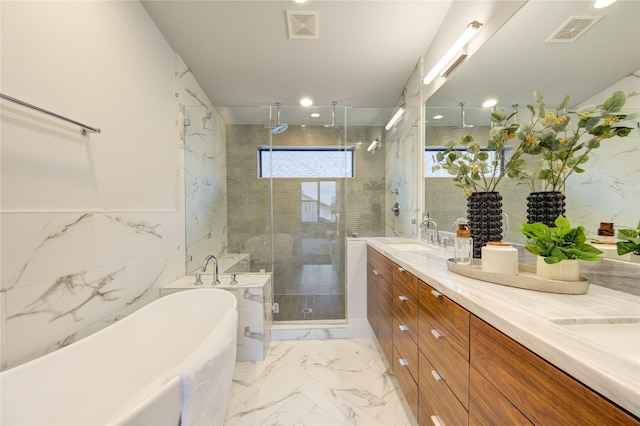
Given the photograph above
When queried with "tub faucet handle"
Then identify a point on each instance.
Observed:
(198, 280)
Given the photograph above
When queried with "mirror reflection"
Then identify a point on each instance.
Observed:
(510, 66)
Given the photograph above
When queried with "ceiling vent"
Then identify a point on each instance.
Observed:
(303, 24)
(573, 28)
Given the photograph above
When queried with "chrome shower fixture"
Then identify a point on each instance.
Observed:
(463, 125)
(280, 128)
(333, 118)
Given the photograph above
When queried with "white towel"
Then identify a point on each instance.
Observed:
(206, 375)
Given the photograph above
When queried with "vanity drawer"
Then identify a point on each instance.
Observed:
(450, 320)
(380, 264)
(406, 347)
(407, 384)
(451, 366)
(405, 300)
(438, 404)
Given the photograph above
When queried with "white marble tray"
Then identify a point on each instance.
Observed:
(526, 278)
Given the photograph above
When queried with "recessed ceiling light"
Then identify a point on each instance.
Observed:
(489, 103)
(599, 4)
(315, 115)
(306, 102)
(438, 117)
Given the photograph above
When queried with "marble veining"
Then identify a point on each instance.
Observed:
(317, 382)
(74, 284)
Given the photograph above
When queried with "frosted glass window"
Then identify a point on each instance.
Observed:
(305, 162)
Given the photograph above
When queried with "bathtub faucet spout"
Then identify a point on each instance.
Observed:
(216, 281)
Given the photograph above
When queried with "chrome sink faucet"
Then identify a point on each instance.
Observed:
(427, 221)
(216, 281)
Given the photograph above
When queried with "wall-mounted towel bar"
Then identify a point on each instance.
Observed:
(85, 129)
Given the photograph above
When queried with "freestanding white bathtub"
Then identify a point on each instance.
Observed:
(169, 363)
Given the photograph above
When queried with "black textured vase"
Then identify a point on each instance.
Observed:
(484, 212)
(545, 207)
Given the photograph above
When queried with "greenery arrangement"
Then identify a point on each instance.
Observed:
(471, 165)
(564, 139)
(560, 243)
(629, 241)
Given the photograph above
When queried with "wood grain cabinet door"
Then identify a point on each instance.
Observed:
(538, 389)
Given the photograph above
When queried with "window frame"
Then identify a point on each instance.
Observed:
(351, 159)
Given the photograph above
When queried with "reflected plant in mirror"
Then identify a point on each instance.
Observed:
(564, 139)
(480, 169)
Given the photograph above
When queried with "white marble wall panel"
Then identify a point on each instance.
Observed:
(95, 247)
(205, 171)
(403, 148)
(33, 244)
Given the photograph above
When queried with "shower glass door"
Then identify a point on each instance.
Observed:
(307, 169)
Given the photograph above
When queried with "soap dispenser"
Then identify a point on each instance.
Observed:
(464, 245)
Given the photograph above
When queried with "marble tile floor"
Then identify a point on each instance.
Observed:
(317, 382)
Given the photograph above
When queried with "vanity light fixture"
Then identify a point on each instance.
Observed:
(372, 145)
(454, 50)
(300, 2)
(438, 117)
(490, 103)
(395, 117)
(599, 4)
(306, 102)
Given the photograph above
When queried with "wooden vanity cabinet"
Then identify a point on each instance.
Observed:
(380, 300)
(540, 391)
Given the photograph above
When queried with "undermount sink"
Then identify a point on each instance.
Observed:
(410, 246)
(619, 336)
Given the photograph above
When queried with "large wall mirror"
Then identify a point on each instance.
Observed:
(519, 59)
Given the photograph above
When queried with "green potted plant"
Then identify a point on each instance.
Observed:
(629, 242)
(558, 249)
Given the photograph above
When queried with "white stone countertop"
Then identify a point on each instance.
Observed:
(244, 280)
(524, 315)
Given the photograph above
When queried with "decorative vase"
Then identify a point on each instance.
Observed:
(484, 212)
(545, 207)
(565, 270)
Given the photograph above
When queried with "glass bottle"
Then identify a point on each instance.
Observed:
(464, 245)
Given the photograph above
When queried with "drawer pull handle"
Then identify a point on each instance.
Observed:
(403, 328)
(436, 376)
(435, 421)
(376, 273)
(403, 298)
(401, 269)
(436, 293)
(436, 333)
(403, 362)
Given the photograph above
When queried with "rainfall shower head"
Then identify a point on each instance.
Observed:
(463, 125)
(280, 128)
(333, 118)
